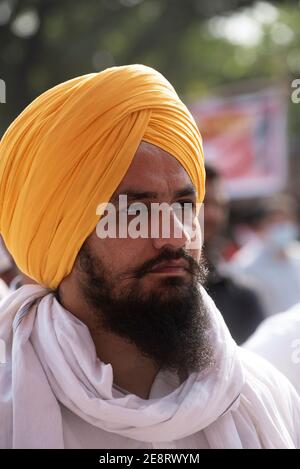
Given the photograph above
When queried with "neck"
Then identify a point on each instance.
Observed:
(132, 371)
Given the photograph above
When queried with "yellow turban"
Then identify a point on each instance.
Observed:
(69, 150)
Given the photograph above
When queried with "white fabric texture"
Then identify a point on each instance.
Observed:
(4, 290)
(277, 278)
(240, 401)
(277, 339)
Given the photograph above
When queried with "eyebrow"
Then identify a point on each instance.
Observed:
(135, 194)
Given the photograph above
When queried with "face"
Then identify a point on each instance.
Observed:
(147, 289)
(279, 230)
(153, 177)
(279, 218)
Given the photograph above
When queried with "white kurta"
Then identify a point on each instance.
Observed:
(277, 279)
(278, 340)
(56, 393)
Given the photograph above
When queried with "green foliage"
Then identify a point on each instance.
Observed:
(44, 42)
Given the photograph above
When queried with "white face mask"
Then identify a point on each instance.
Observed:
(281, 234)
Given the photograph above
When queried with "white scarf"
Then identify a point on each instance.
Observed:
(51, 358)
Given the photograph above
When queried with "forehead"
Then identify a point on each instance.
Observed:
(154, 169)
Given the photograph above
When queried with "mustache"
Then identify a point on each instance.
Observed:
(192, 267)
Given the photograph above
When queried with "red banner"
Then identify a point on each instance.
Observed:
(245, 138)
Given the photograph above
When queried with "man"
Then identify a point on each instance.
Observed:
(238, 301)
(119, 346)
(273, 259)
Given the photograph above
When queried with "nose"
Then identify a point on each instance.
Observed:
(171, 233)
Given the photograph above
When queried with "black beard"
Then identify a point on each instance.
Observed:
(168, 325)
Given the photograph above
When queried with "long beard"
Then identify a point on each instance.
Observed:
(169, 324)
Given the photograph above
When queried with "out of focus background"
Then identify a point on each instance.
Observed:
(235, 63)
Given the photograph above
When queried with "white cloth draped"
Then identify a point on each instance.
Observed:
(240, 401)
(277, 339)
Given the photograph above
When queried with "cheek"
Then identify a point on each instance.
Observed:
(121, 255)
(196, 243)
(195, 254)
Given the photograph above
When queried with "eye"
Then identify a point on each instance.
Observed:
(185, 205)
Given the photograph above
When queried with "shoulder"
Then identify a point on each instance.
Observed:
(278, 340)
(260, 369)
(279, 330)
(272, 393)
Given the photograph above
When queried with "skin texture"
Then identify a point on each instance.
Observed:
(111, 277)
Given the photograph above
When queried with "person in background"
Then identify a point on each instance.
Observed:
(278, 340)
(273, 259)
(237, 301)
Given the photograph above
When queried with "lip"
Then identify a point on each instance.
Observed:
(170, 267)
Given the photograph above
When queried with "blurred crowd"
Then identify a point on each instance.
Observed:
(253, 261)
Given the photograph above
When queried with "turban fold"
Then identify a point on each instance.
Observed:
(68, 151)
